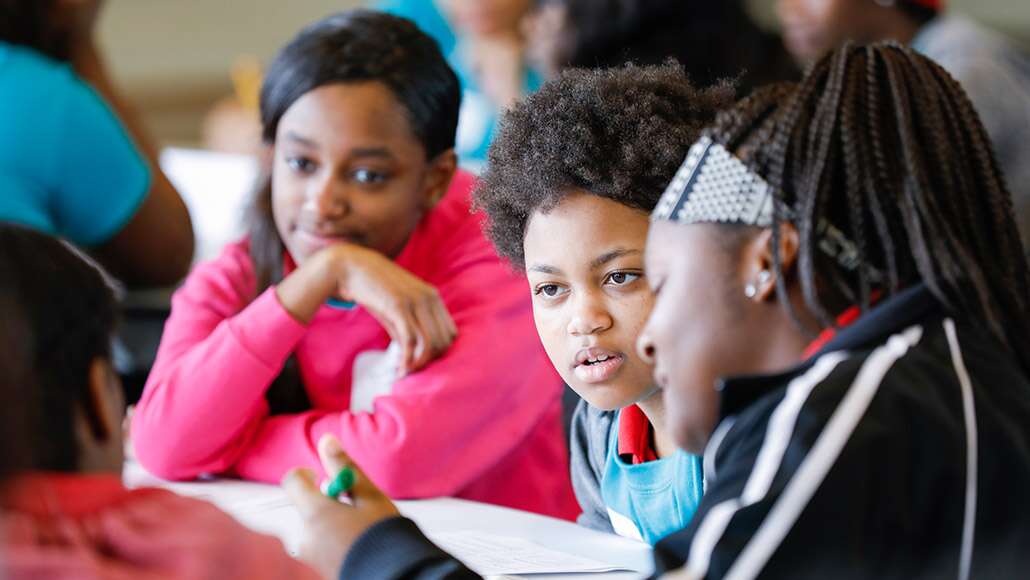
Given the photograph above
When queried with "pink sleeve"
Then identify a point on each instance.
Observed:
(204, 399)
(446, 425)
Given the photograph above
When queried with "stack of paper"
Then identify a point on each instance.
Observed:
(492, 555)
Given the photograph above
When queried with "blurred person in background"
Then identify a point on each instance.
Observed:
(993, 70)
(712, 40)
(484, 43)
(74, 159)
(426, 15)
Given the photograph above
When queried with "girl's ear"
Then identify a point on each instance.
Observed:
(438, 178)
(759, 262)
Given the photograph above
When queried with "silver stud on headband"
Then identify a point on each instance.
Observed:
(713, 186)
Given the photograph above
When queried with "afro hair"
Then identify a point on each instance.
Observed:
(618, 133)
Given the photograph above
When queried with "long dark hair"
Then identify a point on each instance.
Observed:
(68, 313)
(713, 40)
(28, 23)
(15, 390)
(885, 145)
(350, 47)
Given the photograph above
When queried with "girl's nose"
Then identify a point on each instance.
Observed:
(330, 199)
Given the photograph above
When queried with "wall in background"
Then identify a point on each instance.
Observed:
(173, 58)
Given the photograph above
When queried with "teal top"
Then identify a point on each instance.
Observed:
(479, 117)
(67, 165)
(426, 15)
(648, 501)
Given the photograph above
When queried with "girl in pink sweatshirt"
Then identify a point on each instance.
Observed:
(365, 302)
(64, 513)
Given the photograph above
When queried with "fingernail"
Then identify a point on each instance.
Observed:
(329, 444)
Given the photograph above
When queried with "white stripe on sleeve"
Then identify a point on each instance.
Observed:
(969, 411)
(712, 449)
(766, 463)
(821, 458)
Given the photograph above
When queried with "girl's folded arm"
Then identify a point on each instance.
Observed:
(204, 400)
(439, 429)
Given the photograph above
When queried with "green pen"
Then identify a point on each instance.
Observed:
(341, 484)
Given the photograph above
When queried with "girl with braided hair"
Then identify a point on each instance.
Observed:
(994, 70)
(841, 325)
(864, 208)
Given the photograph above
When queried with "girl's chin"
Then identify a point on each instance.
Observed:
(691, 428)
(607, 397)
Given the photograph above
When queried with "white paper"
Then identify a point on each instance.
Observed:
(492, 555)
(373, 376)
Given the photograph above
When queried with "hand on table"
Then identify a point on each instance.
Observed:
(331, 527)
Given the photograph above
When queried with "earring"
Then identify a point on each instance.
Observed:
(751, 290)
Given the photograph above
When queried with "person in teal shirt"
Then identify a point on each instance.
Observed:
(74, 171)
(484, 44)
(426, 16)
(73, 161)
(647, 498)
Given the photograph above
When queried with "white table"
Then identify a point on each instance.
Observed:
(265, 508)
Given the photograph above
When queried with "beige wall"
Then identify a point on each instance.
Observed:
(172, 56)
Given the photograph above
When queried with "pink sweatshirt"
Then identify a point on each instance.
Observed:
(481, 423)
(89, 527)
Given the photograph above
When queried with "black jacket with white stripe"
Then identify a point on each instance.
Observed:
(901, 450)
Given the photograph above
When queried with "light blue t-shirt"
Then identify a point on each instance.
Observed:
(479, 116)
(648, 501)
(67, 165)
(426, 15)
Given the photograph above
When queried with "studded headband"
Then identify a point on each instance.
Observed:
(713, 186)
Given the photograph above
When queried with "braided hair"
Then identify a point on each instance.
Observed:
(884, 144)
